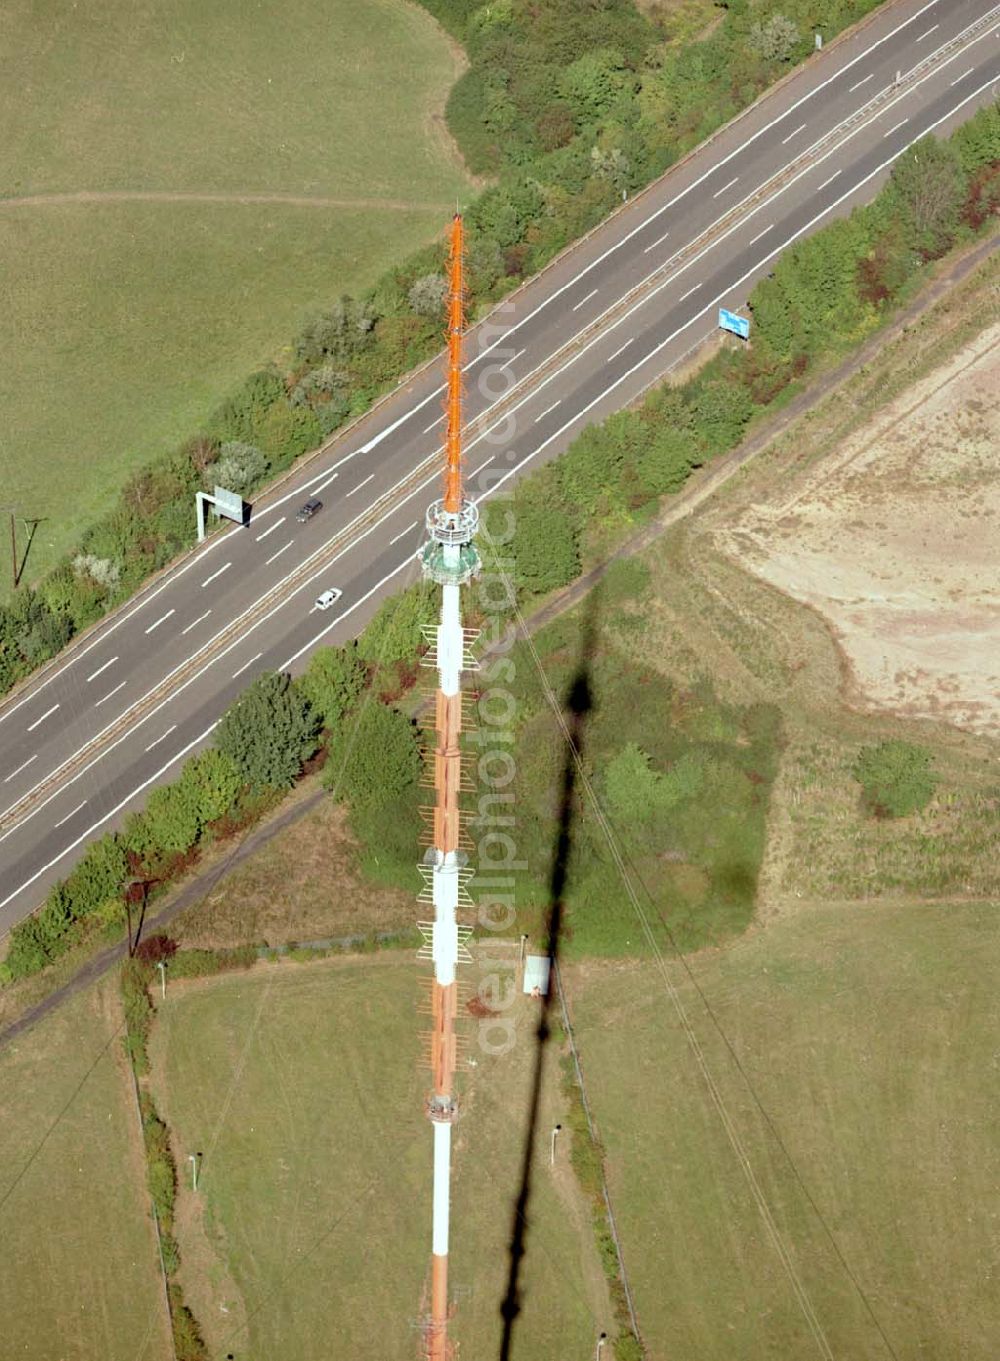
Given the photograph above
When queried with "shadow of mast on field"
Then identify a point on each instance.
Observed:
(577, 704)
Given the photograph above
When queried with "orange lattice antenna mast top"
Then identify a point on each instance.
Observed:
(456, 332)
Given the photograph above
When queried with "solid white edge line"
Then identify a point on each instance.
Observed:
(275, 505)
(410, 560)
(107, 816)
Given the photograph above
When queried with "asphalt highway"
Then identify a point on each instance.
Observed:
(117, 712)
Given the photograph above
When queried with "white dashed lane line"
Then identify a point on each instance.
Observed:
(161, 737)
(369, 478)
(246, 664)
(829, 181)
(47, 714)
(403, 533)
(271, 530)
(760, 234)
(621, 349)
(800, 128)
(201, 618)
(725, 187)
(70, 815)
(109, 695)
(689, 292)
(432, 425)
(658, 242)
(863, 81)
(208, 580)
(25, 766)
(548, 410)
(576, 307)
(94, 674)
(896, 128)
(162, 620)
(284, 547)
(927, 33)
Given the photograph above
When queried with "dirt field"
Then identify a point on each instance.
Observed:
(893, 539)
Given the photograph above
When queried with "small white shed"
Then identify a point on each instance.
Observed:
(536, 975)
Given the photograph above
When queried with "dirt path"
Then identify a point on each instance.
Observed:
(197, 196)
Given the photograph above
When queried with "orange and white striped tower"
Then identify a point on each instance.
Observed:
(450, 559)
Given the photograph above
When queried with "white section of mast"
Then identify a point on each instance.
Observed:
(442, 1184)
(450, 641)
(444, 941)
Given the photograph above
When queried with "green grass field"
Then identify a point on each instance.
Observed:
(127, 318)
(81, 1275)
(300, 1086)
(870, 1038)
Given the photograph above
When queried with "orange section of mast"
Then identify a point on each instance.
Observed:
(456, 330)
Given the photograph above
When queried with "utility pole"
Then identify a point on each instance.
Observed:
(11, 511)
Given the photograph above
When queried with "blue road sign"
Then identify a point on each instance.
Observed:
(729, 321)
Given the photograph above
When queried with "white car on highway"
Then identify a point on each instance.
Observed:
(327, 599)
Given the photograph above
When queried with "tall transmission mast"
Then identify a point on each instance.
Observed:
(449, 558)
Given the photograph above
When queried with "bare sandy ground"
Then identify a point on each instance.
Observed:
(895, 539)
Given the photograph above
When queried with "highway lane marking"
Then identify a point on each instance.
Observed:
(409, 560)
(272, 529)
(617, 245)
(894, 129)
(320, 485)
(47, 714)
(688, 293)
(70, 815)
(658, 242)
(927, 34)
(107, 816)
(162, 620)
(162, 737)
(490, 460)
(208, 580)
(829, 181)
(962, 76)
(369, 478)
(403, 533)
(726, 186)
(110, 693)
(197, 621)
(801, 128)
(760, 234)
(863, 81)
(621, 349)
(545, 302)
(694, 259)
(591, 294)
(246, 664)
(281, 550)
(432, 425)
(548, 411)
(25, 766)
(95, 674)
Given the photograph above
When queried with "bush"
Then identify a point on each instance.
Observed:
(374, 760)
(268, 733)
(896, 778)
(240, 466)
(396, 633)
(333, 682)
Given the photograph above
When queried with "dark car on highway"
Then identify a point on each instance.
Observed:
(307, 511)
